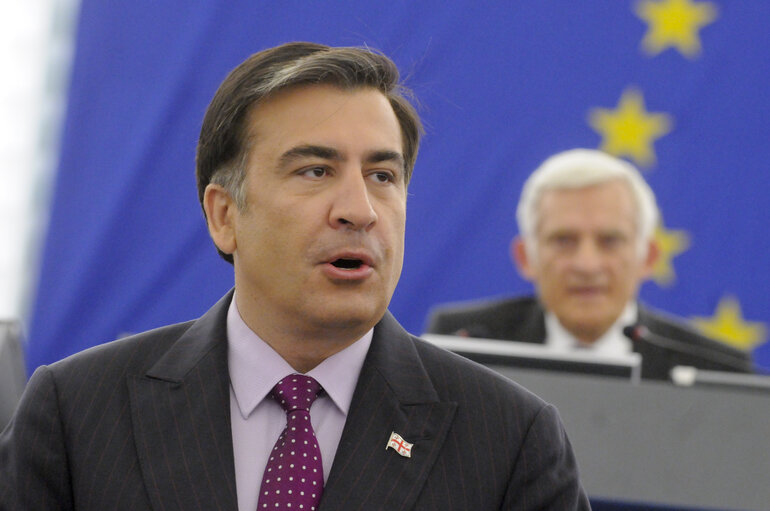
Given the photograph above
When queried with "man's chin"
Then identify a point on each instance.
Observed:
(588, 298)
(349, 315)
(585, 327)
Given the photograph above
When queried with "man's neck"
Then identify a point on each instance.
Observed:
(300, 343)
(609, 341)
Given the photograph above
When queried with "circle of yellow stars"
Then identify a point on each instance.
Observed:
(674, 24)
(630, 131)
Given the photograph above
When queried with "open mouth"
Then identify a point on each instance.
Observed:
(587, 291)
(347, 264)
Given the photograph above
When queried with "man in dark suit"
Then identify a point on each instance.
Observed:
(586, 222)
(303, 162)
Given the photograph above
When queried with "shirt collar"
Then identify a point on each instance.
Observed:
(255, 367)
(612, 342)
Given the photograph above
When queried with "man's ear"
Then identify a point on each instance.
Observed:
(221, 213)
(521, 258)
(651, 259)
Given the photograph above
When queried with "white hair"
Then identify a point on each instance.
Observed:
(579, 168)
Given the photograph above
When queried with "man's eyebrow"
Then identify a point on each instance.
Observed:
(385, 155)
(303, 151)
(329, 153)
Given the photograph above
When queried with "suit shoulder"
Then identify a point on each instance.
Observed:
(671, 326)
(519, 319)
(481, 307)
(136, 353)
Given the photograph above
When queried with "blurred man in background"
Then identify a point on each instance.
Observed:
(587, 222)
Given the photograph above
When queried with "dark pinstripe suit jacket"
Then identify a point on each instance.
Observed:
(144, 423)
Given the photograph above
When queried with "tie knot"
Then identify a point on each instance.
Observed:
(296, 392)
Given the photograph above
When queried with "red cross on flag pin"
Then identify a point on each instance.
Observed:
(401, 446)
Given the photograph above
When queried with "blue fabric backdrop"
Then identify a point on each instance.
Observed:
(501, 86)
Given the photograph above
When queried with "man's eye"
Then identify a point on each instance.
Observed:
(563, 241)
(315, 172)
(611, 242)
(383, 177)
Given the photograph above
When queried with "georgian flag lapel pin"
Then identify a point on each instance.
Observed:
(400, 445)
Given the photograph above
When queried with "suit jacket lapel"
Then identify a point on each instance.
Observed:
(181, 418)
(393, 394)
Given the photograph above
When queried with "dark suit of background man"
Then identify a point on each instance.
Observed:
(303, 163)
(586, 223)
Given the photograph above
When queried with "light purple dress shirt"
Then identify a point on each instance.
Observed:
(257, 420)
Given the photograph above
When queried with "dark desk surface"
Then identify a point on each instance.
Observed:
(654, 442)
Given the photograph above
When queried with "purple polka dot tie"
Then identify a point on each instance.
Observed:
(294, 477)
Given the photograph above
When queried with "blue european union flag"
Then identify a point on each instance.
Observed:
(676, 86)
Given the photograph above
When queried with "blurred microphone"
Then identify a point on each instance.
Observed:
(641, 333)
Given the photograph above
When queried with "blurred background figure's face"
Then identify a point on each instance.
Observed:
(586, 266)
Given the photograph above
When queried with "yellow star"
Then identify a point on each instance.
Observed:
(630, 130)
(674, 23)
(670, 243)
(728, 326)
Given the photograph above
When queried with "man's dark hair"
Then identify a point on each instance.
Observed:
(223, 145)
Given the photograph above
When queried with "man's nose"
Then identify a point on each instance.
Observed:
(352, 206)
(588, 257)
